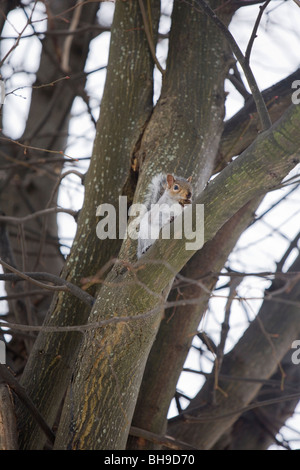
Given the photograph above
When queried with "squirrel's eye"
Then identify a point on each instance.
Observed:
(175, 187)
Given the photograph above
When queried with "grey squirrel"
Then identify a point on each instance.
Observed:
(166, 195)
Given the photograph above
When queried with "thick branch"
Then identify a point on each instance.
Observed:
(259, 101)
(256, 355)
(21, 393)
(241, 130)
(126, 106)
(179, 326)
(257, 429)
(8, 425)
(258, 170)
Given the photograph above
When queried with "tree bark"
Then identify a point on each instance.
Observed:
(172, 129)
(179, 326)
(240, 131)
(256, 356)
(126, 107)
(8, 423)
(257, 429)
(181, 134)
(28, 187)
(120, 347)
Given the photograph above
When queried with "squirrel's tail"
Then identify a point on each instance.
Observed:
(155, 190)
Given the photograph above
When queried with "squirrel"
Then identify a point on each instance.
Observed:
(166, 194)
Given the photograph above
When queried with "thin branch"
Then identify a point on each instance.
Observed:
(63, 285)
(36, 87)
(26, 147)
(257, 96)
(149, 37)
(117, 319)
(187, 417)
(20, 295)
(15, 45)
(29, 217)
(293, 244)
(234, 378)
(26, 400)
(166, 441)
(52, 196)
(110, 321)
(270, 341)
(254, 35)
(69, 39)
(224, 333)
(239, 86)
(58, 32)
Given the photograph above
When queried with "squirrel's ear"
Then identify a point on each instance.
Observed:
(189, 179)
(170, 180)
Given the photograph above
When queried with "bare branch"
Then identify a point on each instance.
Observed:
(63, 285)
(29, 217)
(188, 417)
(25, 147)
(254, 35)
(69, 39)
(224, 332)
(149, 37)
(15, 45)
(257, 96)
(25, 399)
(166, 441)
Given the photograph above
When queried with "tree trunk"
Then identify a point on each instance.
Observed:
(126, 107)
(97, 367)
(246, 177)
(8, 423)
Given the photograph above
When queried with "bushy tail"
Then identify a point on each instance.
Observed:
(155, 190)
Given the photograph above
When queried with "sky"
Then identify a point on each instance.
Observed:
(275, 54)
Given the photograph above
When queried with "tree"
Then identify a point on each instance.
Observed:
(104, 366)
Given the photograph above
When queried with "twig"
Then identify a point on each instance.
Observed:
(20, 295)
(273, 206)
(15, 45)
(257, 96)
(293, 244)
(29, 217)
(25, 147)
(224, 333)
(235, 378)
(239, 86)
(187, 417)
(58, 32)
(63, 285)
(254, 35)
(69, 39)
(162, 440)
(26, 400)
(36, 87)
(44, 227)
(274, 351)
(27, 305)
(78, 328)
(117, 319)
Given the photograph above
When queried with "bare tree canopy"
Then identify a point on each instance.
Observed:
(194, 344)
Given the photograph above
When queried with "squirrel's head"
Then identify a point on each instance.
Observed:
(180, 189)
